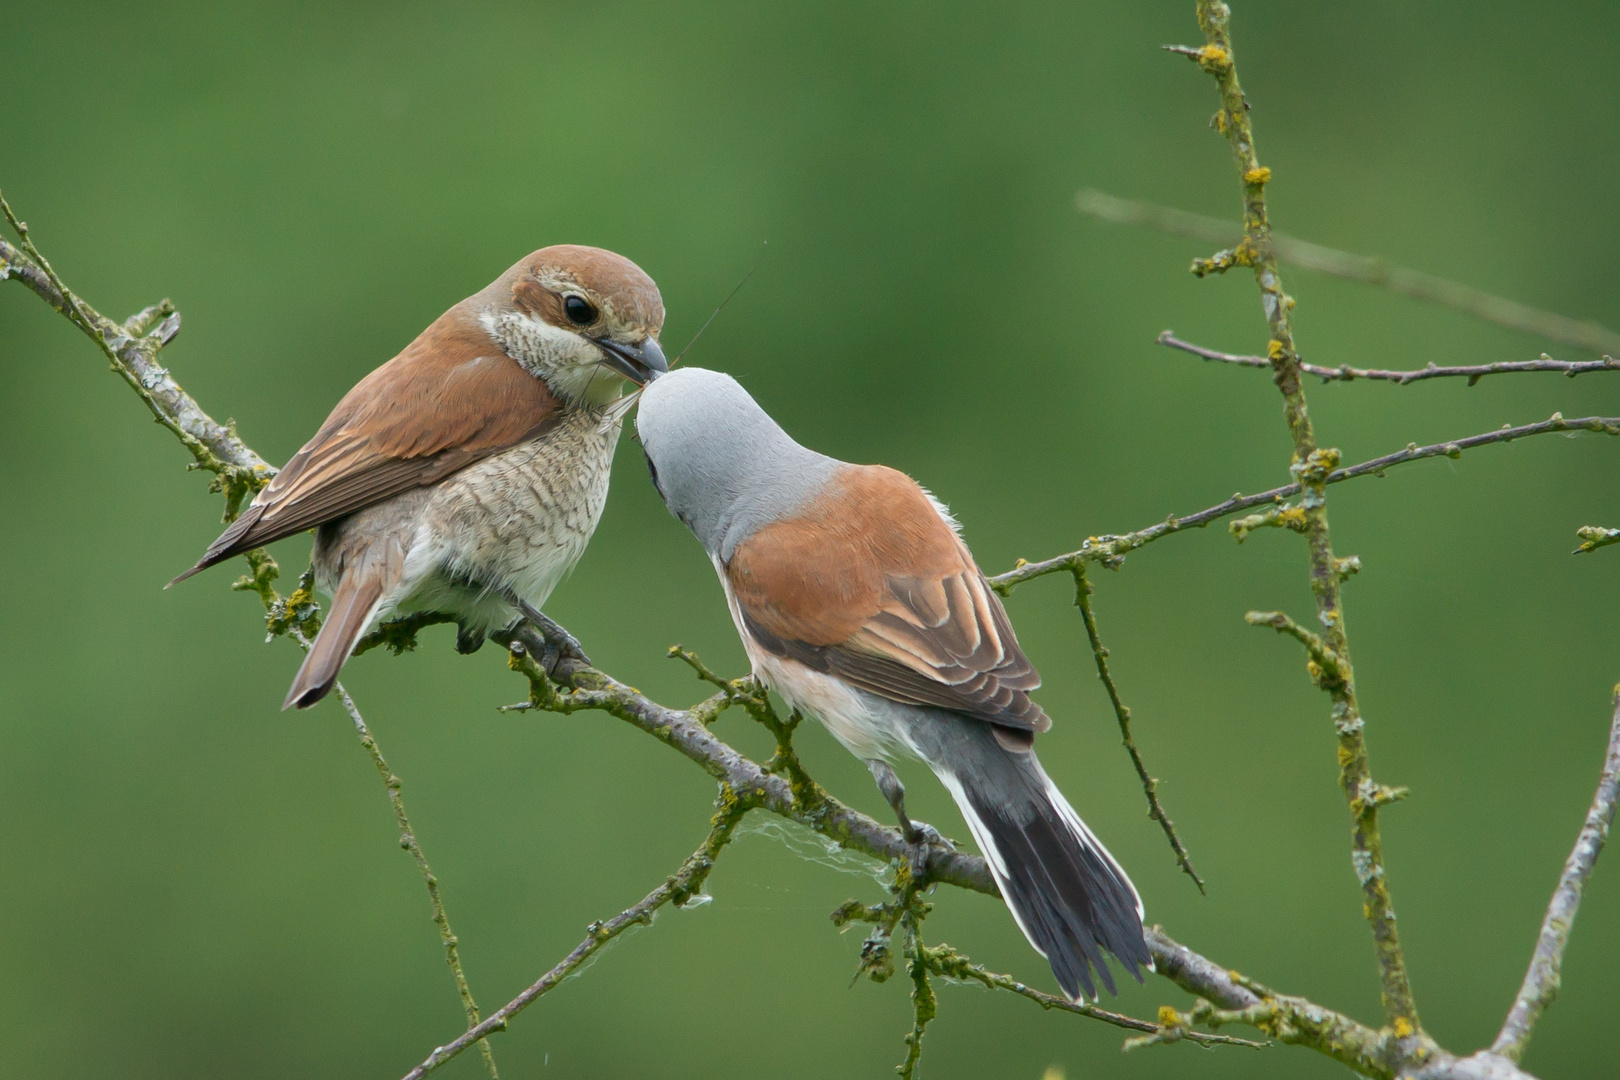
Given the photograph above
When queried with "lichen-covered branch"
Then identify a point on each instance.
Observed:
(574, 686)
(1345, 373)
(1594, 537)
(1384, 1054)
(945, 961)
(1122, 713)
(1311, 467)
(1541, 981)
(1110, 549)
(924, 1005)
(398, 635)
(1374, 271)
(131, 348)
(1327, 668)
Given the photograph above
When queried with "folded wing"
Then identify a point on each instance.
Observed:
(869, 583)
(450, 399)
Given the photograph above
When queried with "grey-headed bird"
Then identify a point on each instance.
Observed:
(467, 474)
(857, 601)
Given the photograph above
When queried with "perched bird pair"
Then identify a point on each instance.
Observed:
(467, 474)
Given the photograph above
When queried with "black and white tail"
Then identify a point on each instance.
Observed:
(1070, 898)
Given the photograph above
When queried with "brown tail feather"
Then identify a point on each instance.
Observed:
(356, 598)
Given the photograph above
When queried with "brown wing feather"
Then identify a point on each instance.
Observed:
(451, 398)
(870, 584)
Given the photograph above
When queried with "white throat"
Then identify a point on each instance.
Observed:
(570, 364)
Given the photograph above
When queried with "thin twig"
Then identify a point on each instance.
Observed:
(408, 841)
(1109, 550)
(1150, 786)
(1302, 253)
(1312, 465)
(678, 887)
(71, 307)
(690, 659)
(1594, 537)
(1328, 666)
(1541, 981)
(947, 962)
(1345, 373)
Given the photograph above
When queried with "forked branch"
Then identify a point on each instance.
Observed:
(678, 888)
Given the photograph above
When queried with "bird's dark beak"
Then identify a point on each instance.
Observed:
(641, 363)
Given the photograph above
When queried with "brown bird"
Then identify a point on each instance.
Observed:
(858, 602)
(467, 474)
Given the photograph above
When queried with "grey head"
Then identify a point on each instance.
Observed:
(723, 466)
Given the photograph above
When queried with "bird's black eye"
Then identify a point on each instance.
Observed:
(579, 310)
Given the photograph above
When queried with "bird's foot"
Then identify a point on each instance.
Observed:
(565, 644)
(922, 834)
(555, 643)
(925, 842)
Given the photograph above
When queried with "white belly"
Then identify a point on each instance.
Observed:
(516, 522)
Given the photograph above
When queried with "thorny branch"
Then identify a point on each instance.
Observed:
(1345, 373)
(1303, 253)
(1110, 550)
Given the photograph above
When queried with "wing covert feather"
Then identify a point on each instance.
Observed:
(451, 398)
(869, 583)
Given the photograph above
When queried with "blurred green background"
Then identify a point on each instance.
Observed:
(197, 885)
